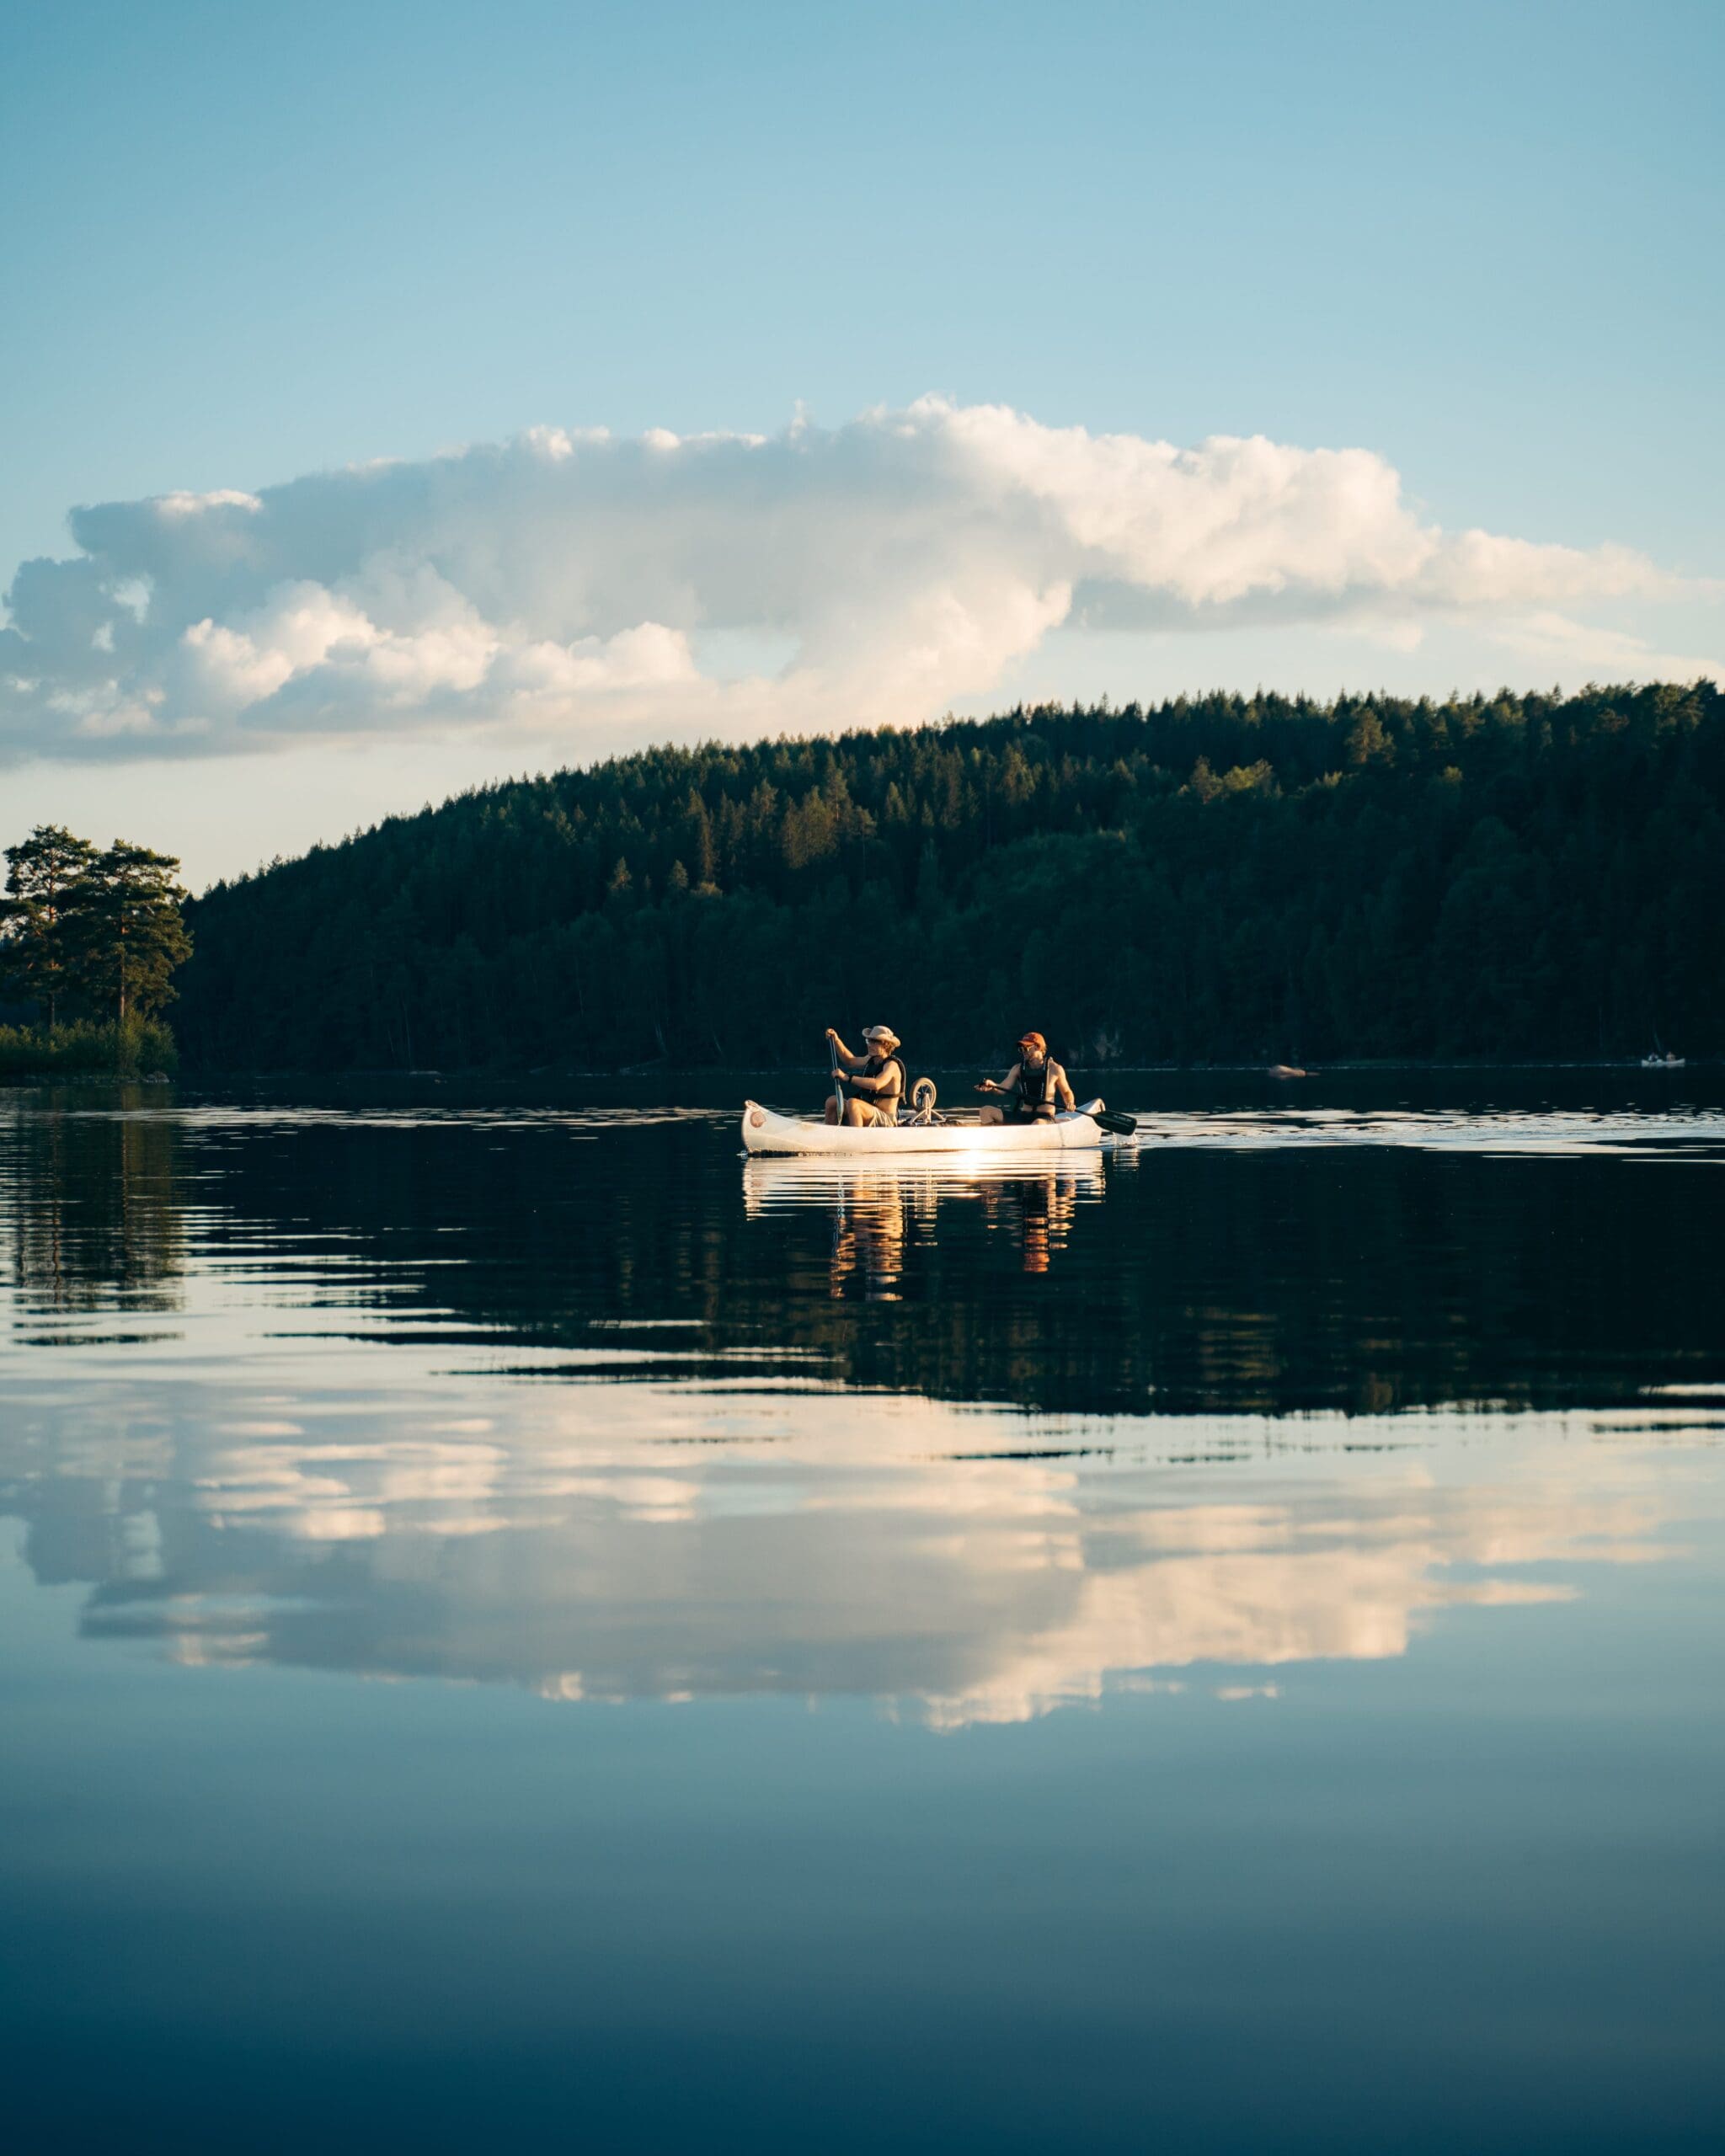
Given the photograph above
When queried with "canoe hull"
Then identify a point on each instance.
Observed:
(765, 1132)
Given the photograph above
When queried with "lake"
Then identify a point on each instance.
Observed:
(521, 1629)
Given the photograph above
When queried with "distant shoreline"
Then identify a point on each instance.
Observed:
(480, 1074)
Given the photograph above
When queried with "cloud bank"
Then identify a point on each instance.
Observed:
(569, 584)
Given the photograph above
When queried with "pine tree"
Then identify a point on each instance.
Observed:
(38, 954)
(126, 923)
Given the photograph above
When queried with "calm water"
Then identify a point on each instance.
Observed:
(520, 1630)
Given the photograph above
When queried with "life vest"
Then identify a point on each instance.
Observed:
(1034, 1085)
(876, 1070)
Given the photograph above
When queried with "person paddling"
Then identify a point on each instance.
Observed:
(873, 1084)
(1033, 1089)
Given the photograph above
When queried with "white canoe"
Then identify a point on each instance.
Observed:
(765, 1131)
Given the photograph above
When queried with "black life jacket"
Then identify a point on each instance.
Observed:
(877, 1070)
(1034, 1085)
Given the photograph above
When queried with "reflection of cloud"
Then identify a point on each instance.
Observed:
(823, 1544)
(1277, 1588)
(316, 1490)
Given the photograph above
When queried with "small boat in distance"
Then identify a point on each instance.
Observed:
(766, 1131)
(1666, 1062)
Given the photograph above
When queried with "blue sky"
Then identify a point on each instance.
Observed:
(247, 245)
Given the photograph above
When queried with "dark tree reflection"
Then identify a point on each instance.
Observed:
(94, 1208)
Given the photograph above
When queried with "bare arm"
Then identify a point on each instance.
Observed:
(850, 1062)
(1063, 1088)
(1009, 1084)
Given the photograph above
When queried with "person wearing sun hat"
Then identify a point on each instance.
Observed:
(1033, 1089)
(873, 1085)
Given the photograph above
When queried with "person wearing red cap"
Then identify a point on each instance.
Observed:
(1033, 1089)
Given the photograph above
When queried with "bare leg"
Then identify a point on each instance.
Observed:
(832, 1109)
(992, 1115)
(857, 1113)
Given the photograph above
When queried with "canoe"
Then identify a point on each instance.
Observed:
(765, 1131)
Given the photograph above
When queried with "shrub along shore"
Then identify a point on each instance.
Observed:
(137, 1047)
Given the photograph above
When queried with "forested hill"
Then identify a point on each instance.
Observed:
(1235, 878)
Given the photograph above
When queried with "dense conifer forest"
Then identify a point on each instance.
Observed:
(1233, 877)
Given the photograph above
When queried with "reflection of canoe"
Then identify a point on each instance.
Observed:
(765, 1132)
(923, 1182)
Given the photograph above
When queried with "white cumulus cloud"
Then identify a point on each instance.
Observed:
(570, 584)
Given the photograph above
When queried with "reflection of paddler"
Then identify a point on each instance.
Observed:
(869, 1238)
(1048, 1204)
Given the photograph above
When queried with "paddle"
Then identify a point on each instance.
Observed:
(1108, 1119)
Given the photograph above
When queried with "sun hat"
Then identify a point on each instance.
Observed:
(881, 1033)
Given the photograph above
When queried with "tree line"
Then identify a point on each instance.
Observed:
(1212, 878)
(89, 938)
